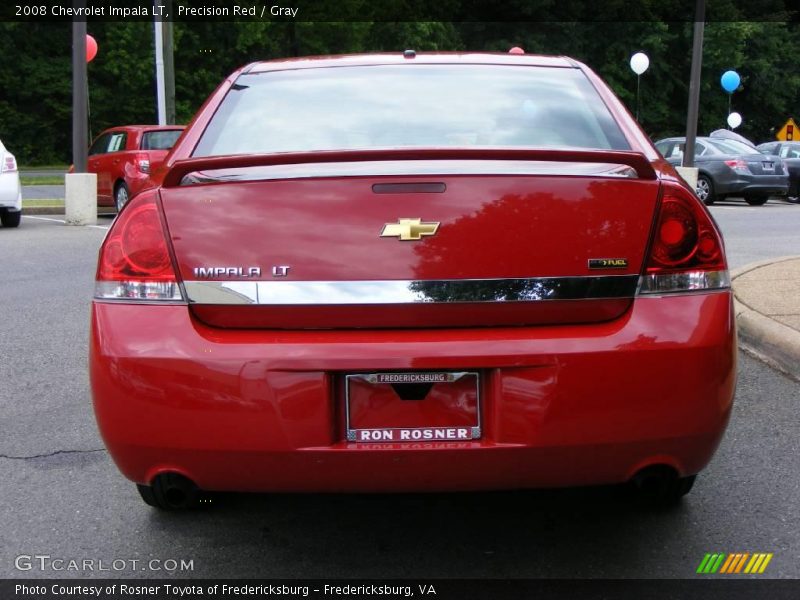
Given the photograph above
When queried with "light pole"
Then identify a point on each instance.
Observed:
(80, 187)
(694, 84)
(80, 140)
(161, 98)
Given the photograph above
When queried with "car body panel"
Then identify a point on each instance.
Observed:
(488, 228)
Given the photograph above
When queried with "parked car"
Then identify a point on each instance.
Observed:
(10, 189)
(727, 134)
(368, 273)
(789, 153)
(124, 157)
(730, 168)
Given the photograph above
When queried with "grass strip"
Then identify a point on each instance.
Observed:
(44, 180)
(42, 202)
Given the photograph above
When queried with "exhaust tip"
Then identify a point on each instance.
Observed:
(171, 491)
(660, 485)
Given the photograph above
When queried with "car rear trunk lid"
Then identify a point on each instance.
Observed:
(411, 243)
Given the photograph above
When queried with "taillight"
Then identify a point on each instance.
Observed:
(143, 163)
(686, 252)
(738, 165)
(134, 262)
(9, 164)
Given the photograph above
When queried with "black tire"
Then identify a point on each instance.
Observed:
(705, 190)
(660, 487)
(121, 195)
(756, 200)
(793, 195)
(170, 491)
(10, 219)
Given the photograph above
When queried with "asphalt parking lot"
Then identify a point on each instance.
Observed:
(62, 496)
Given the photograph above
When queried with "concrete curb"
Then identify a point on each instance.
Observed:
(776, 344)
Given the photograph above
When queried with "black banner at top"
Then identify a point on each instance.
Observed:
(396, 10)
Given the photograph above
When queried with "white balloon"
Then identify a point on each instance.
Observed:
(639, 63)
(734, 120)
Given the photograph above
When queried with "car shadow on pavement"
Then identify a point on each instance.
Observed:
(484, 534)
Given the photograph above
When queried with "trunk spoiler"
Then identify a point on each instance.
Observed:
(174, 176)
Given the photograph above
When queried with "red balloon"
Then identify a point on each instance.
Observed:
(91, 48)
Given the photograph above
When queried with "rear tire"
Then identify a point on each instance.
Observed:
(705, 189)
(756, 200)
(10, 219)
(121, 195)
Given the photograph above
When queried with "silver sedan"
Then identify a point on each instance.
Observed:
(730, 168)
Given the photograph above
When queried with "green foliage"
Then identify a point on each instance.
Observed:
(121, 86)
(36, 106)
(36, 103)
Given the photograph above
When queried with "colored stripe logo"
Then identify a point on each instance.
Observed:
(737, 562)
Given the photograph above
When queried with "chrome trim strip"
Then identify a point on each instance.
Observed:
(289, 293)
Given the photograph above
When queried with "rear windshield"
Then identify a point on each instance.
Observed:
(733, 146)
(160, 140)
(410, 106)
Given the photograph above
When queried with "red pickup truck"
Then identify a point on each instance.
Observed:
(123, 158)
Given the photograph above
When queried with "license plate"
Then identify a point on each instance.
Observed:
(407, 407)
(768, 166)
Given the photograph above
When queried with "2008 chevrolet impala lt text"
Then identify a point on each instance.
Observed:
(412, 273)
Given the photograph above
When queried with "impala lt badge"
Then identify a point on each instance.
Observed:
(209, 272)
(409, 229)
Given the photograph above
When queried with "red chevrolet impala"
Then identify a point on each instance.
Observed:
(412, 272)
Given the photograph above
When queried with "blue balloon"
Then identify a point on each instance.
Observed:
(730, 81)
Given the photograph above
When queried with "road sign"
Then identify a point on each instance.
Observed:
(788, 132)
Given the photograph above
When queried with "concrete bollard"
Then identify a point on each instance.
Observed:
(689, 175)
(80, 204)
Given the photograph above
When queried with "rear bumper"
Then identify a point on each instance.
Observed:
(562, 406)
(10, 191)
(756, 185)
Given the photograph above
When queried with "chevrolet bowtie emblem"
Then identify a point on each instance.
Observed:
(409, 229)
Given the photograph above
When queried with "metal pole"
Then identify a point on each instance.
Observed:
(80, 140)
(160, 95)
(694, 83)
(169, 65)
(88, 111)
